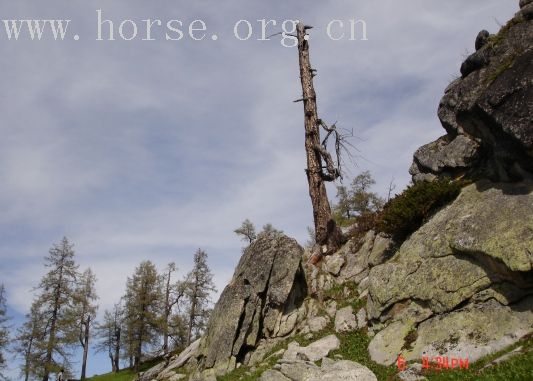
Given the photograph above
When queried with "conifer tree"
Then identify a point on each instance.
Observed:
(172, 323)
(56, 303)
(28, 343)
(85, 298)
(344, 205)
(109, 333)
(198, 288)
(358, 199)
(246, 231)
(178, 330)
(143, 301)
(4, 332)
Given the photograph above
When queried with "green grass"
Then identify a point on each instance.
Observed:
(336, 292)
(518, 368)
(498, 38)
(354, 347)
(125, 374)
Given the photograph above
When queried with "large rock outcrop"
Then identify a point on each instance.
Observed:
(462, 284)
(469, 269)
(262, 301)
(488, 112)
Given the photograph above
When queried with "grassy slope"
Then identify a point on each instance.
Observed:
(354, 347)
(517, 368)
(124, 374)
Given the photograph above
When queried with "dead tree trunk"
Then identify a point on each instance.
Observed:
(328, 235)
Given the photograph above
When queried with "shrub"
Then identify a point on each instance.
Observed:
(406, 212)
(359, 226)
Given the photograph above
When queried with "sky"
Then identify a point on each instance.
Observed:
(151, 149)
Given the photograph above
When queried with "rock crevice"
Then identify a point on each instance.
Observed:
(469, 261)
(261, 302)
(487, 113)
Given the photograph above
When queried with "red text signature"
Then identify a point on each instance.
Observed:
(436, 363)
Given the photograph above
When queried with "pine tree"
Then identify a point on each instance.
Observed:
(246, 231)
(178, 331)
(358, 200)
(85, 298)
(109, 333)
(171, 321)
(198, 287)
(167, 309)
(28, 343)
(56, 303)
(143, 310)
(344, 205)
(4, 332)
(269, 229)
(362, 200)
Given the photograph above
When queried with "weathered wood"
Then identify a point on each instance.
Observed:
(328, 235)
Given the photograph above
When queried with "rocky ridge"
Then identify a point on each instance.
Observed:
(487, 111)
(460, 286)
(468, 269)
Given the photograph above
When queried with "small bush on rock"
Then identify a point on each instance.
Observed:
(406, 212)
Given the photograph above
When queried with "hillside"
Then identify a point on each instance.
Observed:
(440, 295)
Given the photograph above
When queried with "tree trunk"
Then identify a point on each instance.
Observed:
(167, 314)
(49, 349)
(27, 365)
(192, 315)
(138, 350)
(328, 235)
(117, 351)
(137, 361)
(85, 347)
(113, 370)
(52, 338)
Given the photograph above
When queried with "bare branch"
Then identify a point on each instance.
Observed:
(333, 172)
(341, 144)
(301, 100)
(275, 34)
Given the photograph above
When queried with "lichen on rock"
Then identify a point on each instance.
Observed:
(475, 250)
(487, 113)
(262, 301)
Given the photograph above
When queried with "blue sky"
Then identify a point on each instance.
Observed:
(150, 149)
